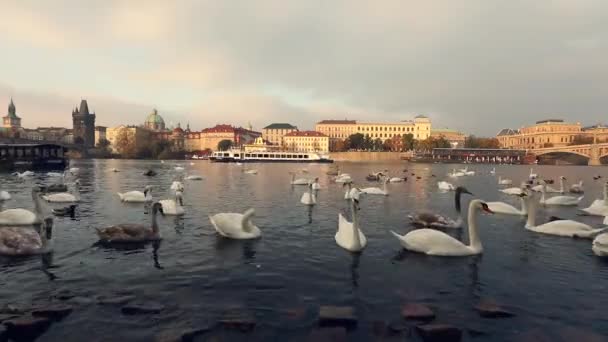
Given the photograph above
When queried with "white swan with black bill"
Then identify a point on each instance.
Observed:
(235, 225)
(508, 209)
(173, 206)
(349, 236)
(434, 242)
(23, 217)
(137, 196)
(599, 207)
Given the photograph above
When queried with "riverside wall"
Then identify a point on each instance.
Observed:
(369, 156)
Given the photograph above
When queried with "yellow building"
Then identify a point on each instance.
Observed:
(549, 133)
(306, 141)
(274, 133)
(454, 137)
(137, 136)
(337, 130)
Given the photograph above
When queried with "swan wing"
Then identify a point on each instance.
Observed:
(60, 197)
(124, 232)
(19, 241)
(17, 216)
(434, 242)
(598, 208)
(344, 236)
(228, 224)
(503, 208)
(568, 228)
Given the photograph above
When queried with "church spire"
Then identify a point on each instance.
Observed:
(11, 108)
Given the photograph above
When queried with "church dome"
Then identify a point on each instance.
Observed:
(178, 129)
(155, 121)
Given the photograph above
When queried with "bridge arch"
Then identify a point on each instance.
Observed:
(581, 152)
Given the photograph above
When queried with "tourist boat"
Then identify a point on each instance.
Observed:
(268, 156)
(32, 156)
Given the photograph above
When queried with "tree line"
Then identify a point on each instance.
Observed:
(406, 142)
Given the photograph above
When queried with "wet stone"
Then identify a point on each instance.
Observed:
(116, 300)
(337, 315)
(439, 333)
(379, 328)
(575, 334)
(65, 295)
(3, 334)
(26, 328)
(142, 308)
(334, 334)
(6, 317)
(417, 311)
(12, 309)
(54, 312)
(239, 320)
(186, 335)
(488, 309)
(397, 326)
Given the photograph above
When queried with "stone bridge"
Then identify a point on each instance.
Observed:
(593, 152)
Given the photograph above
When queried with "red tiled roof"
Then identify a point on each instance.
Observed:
(338, 122)
(305, 134)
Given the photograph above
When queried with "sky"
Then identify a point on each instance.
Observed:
(473, 65)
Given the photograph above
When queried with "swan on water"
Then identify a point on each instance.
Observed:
(467, 172)
(315, 184)
(455, 174)
(493, 171)
(64, 197)
(23, 174)
(434, 242)
(251, 171)
(349, 236)
(508, 209)
(137, 196)
(577, 188)
(299, 181)
(235, 225)
(559, 200)
(504, 181)
(376, 190)
(5, 195)
(178, 168)
(177, 186)
(514, 191)
(429, 219)
(567, 228)
(132, 232)
(549, 189)
(599, 207)
(600, 243)
(173, 206)
(309, 198)
(18, 241)
(532, 175)
(24, 217)
(194, 177)
(55, 174)
(445, 186)
(74, 170)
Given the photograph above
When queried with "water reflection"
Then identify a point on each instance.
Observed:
(231, 249)
(354, 269)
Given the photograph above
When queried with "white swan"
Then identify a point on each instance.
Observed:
(567, 228)
(455, 174)
(376, 190)
(173, 206)
(349, 236)
(299, 181)
(549, 189)
(467, 172)
(493, 171)
(235, 226)
(194, 177)
(132, 232)
(115, 170)
(178, 168)
(64, 197)
(445, 186)
(17, 241)
(532, 175)
(315, 184)
(428, 219)
(559, 200)
(23, 217)
(309, 198)
(74, 170)
(251, 171)
(55, 174)
(434, 242)
(514, 190)
(577, 188)
(599, 207)
(4, 195)
(23, 174)
(347, 193)
(505, 181)
(507, 209)
(177, 186)
(137, 196)
(600, 243)
(343, 177)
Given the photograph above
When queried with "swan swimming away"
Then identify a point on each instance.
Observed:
(19, 241)
(600, 243)
(376, 190)
(23, 174)
(309, 198)
(599, 207)
(299, 181)
(173, 206)
(434, 242)
(559, 200)
(235, 225)
(132, 232)
(64, 197)
(177, 186)
(567, 228)
(349, 236)
(315, 184)
(428, 219)
(4, 195)
(137, 196)
(445, 186)
(194, 177)
(514, 190)
(505, 181)
(577, 188)
(178, 168)
(23, 217)
(507, 209)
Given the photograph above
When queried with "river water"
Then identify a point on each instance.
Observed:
(549, 283)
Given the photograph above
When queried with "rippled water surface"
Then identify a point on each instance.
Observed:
(296, 267)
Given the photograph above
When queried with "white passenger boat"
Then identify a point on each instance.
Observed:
(269, 156)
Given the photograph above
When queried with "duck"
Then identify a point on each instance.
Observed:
(349, 235)
(514, 191)
(309, 198)
(599, 207)
(376, 190)
(559, 200)
(66, 211)
(21, 241)
(434, 242)
(577, 188)
(137, 196)
(315, 184)
(64, 197)
(23, 217)
(432, 220)
(194, 177)
(445, 186)
(504, 181)
(173, 206)
(150, 173)
(299, 181)
(4, 196)
(507, 209)
(566, 228)
(23, 174)
(597, 177)
(132, 232)
(235, 225)
(599, 246)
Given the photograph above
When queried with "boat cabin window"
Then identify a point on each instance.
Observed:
(247, 155)
(226, 154)
(299, 156)
(306, 156)
(282, 156)
(236, 155)
(265, 156)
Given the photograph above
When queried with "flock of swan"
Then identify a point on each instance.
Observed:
(23, 232)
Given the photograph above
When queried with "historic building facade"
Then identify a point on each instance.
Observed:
(339, 130)
(454, 137)
(274, 133)
(155, 122)
(83, 125)
(306, 141)
(11, 123)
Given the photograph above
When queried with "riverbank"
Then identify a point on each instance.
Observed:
(369, 156)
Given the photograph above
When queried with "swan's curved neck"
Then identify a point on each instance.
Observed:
(606, 194)
(561, 185)
(474, 241)
(356, 237)
(154, 221)
(245, 221)
(524, 206)
(531, 204)
(38, 206)
(457, 201)
(384, 188)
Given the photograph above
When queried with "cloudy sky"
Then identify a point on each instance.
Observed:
(472, 65)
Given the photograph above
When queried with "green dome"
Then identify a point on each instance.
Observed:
(154, 118)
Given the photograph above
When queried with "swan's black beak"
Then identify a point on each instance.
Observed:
(522, 194)
(48, 224)
(485, 208)
(160, 209)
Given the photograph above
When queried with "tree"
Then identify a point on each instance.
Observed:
(103, 143)
(224, 145)
(356, 141)
(479, 142)
(341, 145)
(125, 144)
(581, 140)
(387, 145)
(367, 143)
(377, 144)
(103, 149)
(408, 142)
